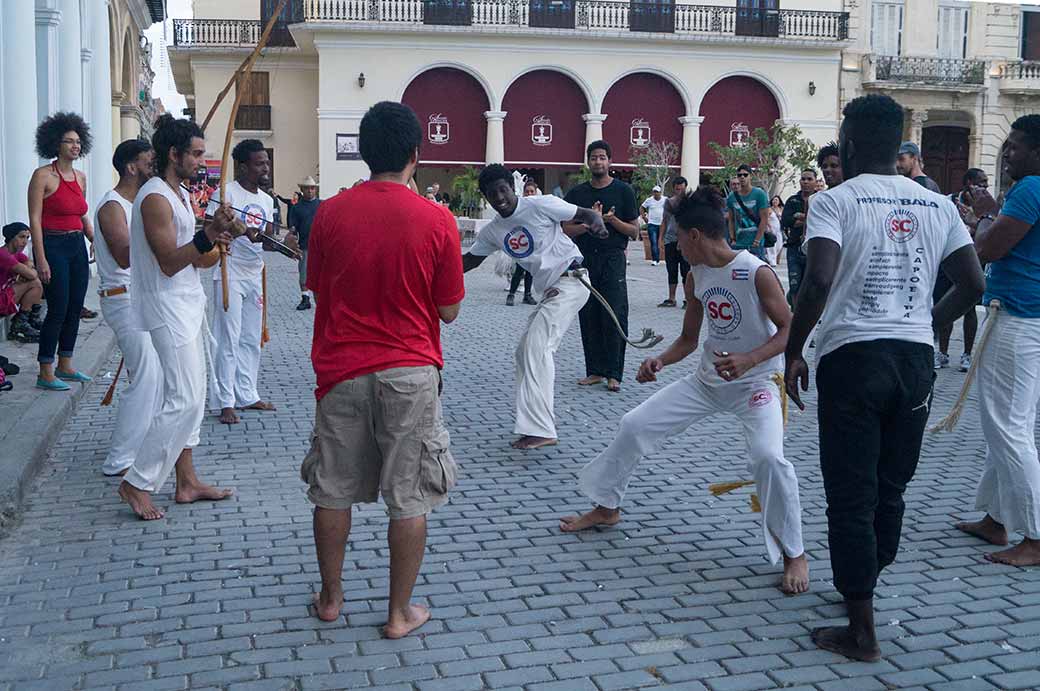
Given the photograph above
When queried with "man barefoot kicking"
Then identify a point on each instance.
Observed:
(167, 301)
(385, 266)
(528, 230)
(748, 320)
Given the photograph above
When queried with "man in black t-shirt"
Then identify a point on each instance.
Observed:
(792, 222)
(605, 261)
(909, 164)
(301, 215)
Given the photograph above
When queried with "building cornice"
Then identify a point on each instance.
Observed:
(341, 113)
(223, 57)
(46, 16)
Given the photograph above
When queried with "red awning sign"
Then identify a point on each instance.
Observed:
(739, 133)
(541, 131)
(438, 129)
(639, 134)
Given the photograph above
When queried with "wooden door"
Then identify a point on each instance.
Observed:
(945, 153)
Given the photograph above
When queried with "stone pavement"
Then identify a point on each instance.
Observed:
(679, 595)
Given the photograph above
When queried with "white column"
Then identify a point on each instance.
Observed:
(102, 175)
(70, 69)
(18, 118)
(47, 22)
(495, 146)
(917, 120)
(129, 122)
(975, 150)
(690, 162)
(593, 128)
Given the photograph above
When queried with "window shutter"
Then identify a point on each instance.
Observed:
(887, 28)
(953, 32)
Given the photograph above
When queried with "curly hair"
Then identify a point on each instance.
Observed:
(702, 210)
(829, 149)
(53, 128)
(175, 132)
(245, 149)
(492, 174)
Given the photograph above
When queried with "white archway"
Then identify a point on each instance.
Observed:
(774, 88)
(592, 103)
(471, 71)
(672, 79)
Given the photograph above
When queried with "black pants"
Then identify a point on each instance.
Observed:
(70, 273)
(603, 345)
(675, 263)
(874, 398)
(514, 282)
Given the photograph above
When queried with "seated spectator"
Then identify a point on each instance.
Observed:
(21, 291)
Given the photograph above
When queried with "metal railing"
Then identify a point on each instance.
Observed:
(929, 70)
(216, 32)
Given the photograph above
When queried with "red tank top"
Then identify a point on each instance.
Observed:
(63, 211)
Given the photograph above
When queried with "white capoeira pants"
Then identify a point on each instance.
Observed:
(1009, 389)
(535, 368)
(176, 425)
(236, 342)
(674, 408)
(139, 401)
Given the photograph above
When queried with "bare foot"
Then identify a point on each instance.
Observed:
(841, 640)
(600, 515)
(796, 575)
(528, 442)
(200, 492)
(1025, 553)
(260, 405)
(613, 385)
(327, 610)
(987, 529)
(402, 624)
(590, 380)
(140, 502)
(228, 416)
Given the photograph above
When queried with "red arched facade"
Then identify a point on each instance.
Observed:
(642, 108)
(450, 105)
(732, 108)
(543, 120)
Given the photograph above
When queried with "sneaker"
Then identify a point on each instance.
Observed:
(667, 303)
(528, 300)
(941, 360)
(510, 299)
(965, 362)
(36, 318)
(305, 303)
(22, 330)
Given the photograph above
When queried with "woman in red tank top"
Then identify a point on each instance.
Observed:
(58, 222)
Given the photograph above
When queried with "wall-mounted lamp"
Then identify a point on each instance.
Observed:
(812, 88)
(361, 80)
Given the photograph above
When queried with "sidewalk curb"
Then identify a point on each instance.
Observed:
(24, 454)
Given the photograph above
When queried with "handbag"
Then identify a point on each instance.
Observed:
(768, 239)
(7, 304)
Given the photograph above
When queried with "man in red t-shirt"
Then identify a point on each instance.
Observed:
(385, 267)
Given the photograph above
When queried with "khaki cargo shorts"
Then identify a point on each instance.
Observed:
(381, 433)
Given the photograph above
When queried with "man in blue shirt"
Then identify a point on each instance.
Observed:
(748, 208)
(301, 215)
(1009, 366)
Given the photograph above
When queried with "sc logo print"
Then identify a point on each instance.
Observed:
(518, 243)
(723, 310)
(901, 225)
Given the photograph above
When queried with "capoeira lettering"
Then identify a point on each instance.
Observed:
(143, 397)
(528, 230)
(238, 330)
(168, 302)
(748, 320)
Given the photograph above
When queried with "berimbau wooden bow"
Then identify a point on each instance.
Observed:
(242, 73)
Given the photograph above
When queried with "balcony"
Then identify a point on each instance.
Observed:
(588, 15)
(253, 118)
(1021, 78)
(891, 70)
(195, 33)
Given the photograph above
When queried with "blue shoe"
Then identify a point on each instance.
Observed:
(55, 385)
(72, 376)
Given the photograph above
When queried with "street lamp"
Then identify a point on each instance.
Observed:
(361, 80)
(812, 88)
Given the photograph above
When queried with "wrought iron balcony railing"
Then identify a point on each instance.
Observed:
(929, 70)
(216, 32)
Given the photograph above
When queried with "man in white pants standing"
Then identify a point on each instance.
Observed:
(167, 301)
(528, 230)
(748, 321)
(237, 331)
(141, 399)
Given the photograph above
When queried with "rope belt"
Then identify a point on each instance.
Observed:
(948, 423)
(112, 292)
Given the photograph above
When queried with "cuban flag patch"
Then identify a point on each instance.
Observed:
(741, 274)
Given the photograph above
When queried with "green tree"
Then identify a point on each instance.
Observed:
(653, 166)
(467, 189)
(777, 157)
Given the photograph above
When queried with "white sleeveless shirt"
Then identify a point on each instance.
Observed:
(157, 300)
(736, 320)
(110, 274)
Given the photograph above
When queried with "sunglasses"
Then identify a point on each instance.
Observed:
(743, 175)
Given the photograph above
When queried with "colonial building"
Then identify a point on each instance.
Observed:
(84, 56)
(963, 70)
(524, 82)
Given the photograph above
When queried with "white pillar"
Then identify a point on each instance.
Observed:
(495, 146)
(47, 22)
(18, 117)
(70, 68)
(690, 162)
(102, 175)
(593, 128)
(917, 120)
(130, 125)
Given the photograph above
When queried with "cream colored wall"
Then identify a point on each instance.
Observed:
(294, 100)
(226, 9)
(693, 70)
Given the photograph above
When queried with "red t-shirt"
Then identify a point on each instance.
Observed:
(7, 262)
(380, 259)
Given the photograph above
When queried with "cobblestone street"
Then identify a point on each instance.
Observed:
(678, 595)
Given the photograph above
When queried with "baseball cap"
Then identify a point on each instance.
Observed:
(657, 188)
(910, 148)
(12, 229)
